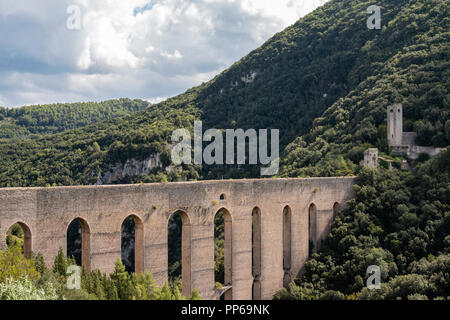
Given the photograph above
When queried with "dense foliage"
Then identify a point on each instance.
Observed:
(45, 119)
(77, 156)
(31, 279)
(325, 82)
(399, 221)
(23, 289)
(406, 62)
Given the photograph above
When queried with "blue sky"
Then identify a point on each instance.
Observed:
(135, 48)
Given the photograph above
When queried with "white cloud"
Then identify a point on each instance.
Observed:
(134, 48)
(172, 56)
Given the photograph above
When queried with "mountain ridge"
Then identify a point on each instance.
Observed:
(318, 73)
(53, 118)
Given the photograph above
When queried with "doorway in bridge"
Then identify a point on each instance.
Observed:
(79, 242)
(223, 252)
(287, 217)
(312, 227)
(132, 247)
(256, 253)
(19, 235)
(179, 251)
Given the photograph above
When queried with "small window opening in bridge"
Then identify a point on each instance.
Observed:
(336, 209)
(223, 251)
(287, 216)
(79, 242)
(312, 218)
(179, 251)
(256, 253)
(222, 197)
(132, 237)
(19, 235)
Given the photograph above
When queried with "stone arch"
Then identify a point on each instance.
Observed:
(228, 249)
(137, 242)
(312, 228)
(256, 253)
(336, 209)
(185, 251)
(287, 239)
(27, 239)
(84, 233)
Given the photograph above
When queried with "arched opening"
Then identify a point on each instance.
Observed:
(336, 209)
(179, 251)
(256, 253)
(223, 250)
(287, 216)
(222, 197)
(312, 216)
(132, 246)
(79, 242)
(19, 235)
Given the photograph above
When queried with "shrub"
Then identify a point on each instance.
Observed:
(14, 265)
(24, 289)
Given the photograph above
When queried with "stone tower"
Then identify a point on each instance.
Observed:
(371, 158)
(395, 125)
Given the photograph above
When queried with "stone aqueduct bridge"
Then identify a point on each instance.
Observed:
(268, 224)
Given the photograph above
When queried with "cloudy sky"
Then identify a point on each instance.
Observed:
(148, 49)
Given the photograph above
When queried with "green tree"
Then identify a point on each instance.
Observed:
(13, 265)
(60, 264)
(122, 279)
(146, 288)
(195, 295)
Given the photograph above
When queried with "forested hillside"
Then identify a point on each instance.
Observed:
(399, 221)
(325, 82)
(44, 119)
(408, 63)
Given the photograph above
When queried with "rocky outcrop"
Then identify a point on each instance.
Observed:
(131, 167)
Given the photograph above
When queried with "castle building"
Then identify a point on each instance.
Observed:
(395, 125)
(370, 158)
(403, 143)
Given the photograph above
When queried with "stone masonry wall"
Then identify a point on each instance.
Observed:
(49, 211)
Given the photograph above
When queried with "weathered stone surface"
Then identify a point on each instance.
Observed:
(49, 211)
(131, 168)
(370, 158)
